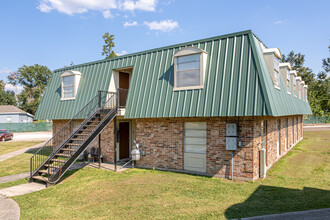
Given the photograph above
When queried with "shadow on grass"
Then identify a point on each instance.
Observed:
(267, 200)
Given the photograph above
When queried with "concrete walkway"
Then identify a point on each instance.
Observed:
(18, 152)
(11, 178)
(9, 209)
(316, 214)
(22, 189)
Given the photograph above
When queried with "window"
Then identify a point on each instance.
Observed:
(70, 83)
(276, 72)
(68, 86)
(288, 80)
(9, 119)
(263, 134)
(189, 68)
(294, 85)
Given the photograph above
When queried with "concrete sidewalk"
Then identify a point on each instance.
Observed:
(316, 214)
(22, 189)
(11, 178)
(18, 152)
(9, 209)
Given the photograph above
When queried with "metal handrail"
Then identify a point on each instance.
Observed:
(36, 163)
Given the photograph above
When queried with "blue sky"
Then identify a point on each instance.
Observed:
(57, 32)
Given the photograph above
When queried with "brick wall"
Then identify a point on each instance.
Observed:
(107, 138)
(162, 141)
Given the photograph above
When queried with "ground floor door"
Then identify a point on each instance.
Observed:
(195, 146)
(123, 140)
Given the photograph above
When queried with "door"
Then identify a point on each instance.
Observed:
(123, 140)
(195, 146)
(123, 88)
(278, 137)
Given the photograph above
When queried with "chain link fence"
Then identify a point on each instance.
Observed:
(27, 127)
(316, 119)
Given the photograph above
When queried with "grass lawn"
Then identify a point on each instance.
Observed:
(17, 164)
(10, 146)
(300, 181)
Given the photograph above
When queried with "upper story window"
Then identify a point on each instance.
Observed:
(70, 83)
(288, 79)
(189, 68)
(276, 72)
(294, 85)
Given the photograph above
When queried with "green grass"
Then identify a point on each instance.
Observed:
(13, 183)
(17, 164)
(7, 147)
(300, 181)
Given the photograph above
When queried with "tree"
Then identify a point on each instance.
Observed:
(318, 87)
(6, 97)
(108, 46)
(34, 80)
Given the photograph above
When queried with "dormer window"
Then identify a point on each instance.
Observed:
(70, 83)
(189, 68)
(276, 72)
(294, 86)
(288, 80)
(272, 57)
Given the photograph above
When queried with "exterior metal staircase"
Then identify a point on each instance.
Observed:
(52, 160)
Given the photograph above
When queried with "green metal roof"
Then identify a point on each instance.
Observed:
(237, 83)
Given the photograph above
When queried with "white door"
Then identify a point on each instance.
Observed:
(195, 146)
(278, 138)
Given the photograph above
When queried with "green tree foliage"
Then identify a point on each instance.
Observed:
(6, 97)
(34, 80)
(108, 45)
(318, 86)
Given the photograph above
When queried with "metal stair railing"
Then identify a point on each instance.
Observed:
(63, 167)
(90, 109)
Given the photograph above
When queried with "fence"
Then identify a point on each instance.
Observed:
(316, 119)
(27, 127)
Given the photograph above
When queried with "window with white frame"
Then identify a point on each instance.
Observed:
(294, 85)
(276, 72)
(288, 79)
(70, 83)
(189, 68)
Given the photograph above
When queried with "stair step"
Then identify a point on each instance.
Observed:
(52, 166)
(46, 171)
(58, 160)
(40, 178)
(71, 144)
(67, 149)
(77, 139)
(81, 134)
(63, 155)
(89, 125)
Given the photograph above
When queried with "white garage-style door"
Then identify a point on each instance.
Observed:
(195, 146)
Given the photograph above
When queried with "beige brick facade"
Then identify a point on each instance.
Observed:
(162, 140)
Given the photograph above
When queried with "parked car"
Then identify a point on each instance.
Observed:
(6, 135)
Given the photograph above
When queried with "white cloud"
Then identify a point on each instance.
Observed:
(71, 7)
(130, 24)
(5, 70)
(279, 22)
(16, 89)
(143, 5)
(165, 25)
(107, 14)
(123, 52)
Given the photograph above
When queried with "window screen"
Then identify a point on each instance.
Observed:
(188, 71)
(288, 79)
(68, 86)
(276, 72)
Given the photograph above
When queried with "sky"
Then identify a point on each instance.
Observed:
(55, 33)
